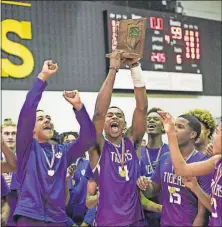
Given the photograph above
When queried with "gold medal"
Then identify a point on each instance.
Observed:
(172, 190)
(122, 173)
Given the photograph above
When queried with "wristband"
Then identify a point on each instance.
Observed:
(112, 67)
(136, 73)
(134, 65)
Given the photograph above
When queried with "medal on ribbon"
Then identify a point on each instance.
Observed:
(122, 172)
(172, 190)
(153, 165)
(50, 171)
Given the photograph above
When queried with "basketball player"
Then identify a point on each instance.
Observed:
(198, 169)
(208, 125)
(42, 167)
(203, 143)
(116, 160)
(150, 156)
(180, 206)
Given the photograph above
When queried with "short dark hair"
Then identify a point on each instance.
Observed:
(39, 111)
(194, 123)
(117, 108)
(154, 110)
(65, 134)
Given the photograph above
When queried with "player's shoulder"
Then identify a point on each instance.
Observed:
(199, 156)
(166, 147)
(165, 156)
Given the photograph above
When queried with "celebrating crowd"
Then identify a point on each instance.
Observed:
(47, 181)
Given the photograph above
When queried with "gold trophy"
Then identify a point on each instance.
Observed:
(131, 37)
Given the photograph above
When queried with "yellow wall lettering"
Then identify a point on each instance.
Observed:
(24, 30)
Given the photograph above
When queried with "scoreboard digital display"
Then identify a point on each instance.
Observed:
(172, 52)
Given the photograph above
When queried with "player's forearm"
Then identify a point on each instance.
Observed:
(200, 217)
(150, 205)
(104, 96)
(202, 197)
(150, 192)
(139, 88)
(139, 115)
(198, 221)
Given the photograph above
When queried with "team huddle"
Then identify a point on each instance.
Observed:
(125, 182)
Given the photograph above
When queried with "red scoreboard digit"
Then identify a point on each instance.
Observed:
(156, 23)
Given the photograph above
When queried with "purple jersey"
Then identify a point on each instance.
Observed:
(119, 200)
(42, 188)
(216, 196)
(148, 160)
(180, 205)
(13, 198)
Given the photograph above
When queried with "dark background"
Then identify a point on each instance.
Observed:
(72, 34)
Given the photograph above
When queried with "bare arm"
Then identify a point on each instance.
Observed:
(10, 164)
(150, 205)
(139, 116)
(102, 104)
(200, 218)
(202, 197)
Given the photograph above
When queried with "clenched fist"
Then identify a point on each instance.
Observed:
(73, 98)
(48, 70)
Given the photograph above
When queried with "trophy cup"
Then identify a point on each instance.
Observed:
(131, 37)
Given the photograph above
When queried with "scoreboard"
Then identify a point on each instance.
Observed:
(172, 51)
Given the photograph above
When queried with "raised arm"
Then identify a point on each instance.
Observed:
(139, 116)
(103, 102)
(10, 164)
(27, 117)
(87, 134)
(179, 164)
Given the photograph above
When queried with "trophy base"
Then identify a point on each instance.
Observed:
(126, 55)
